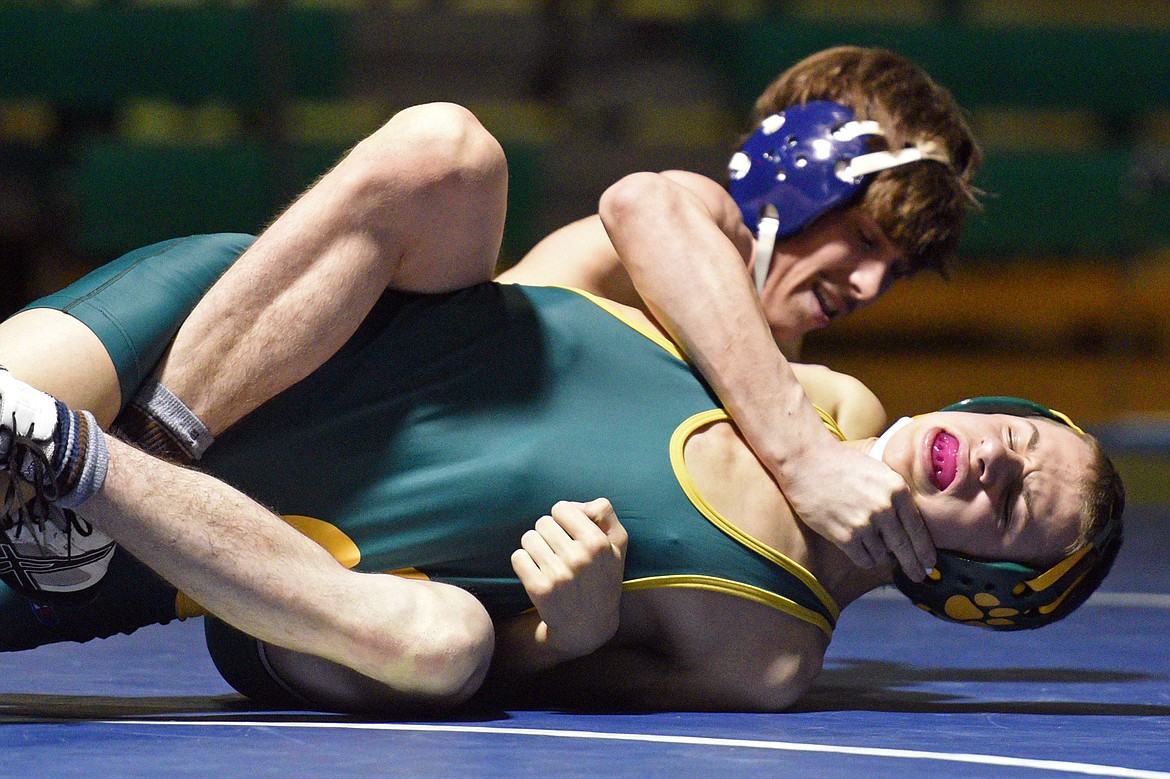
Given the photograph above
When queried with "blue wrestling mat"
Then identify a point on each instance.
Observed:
(902, 694)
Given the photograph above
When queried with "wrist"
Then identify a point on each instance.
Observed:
(794, 433)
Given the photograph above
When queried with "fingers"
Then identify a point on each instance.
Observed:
(601, 512)
(526, 569)
(896, 535)
(909, 541)
(565, 538)
(568, 537)
(866, 552)
(921, 544)
(589, 523)
(888, 542)
(537, 548)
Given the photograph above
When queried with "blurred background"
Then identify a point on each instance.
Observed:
(123, 123)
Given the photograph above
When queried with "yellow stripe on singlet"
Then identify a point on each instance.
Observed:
(337, 543)
(677, 442)
(624, 317)
(738, 589)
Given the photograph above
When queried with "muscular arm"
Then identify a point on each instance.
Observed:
(582, 255)
(704, 652)
(681, 243)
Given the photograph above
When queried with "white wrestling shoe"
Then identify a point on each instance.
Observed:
(52, 554)
(28, 419)
(45, 549)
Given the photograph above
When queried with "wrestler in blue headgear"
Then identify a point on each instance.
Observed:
(1006, 595)
(801, 163)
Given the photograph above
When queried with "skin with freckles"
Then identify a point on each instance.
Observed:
(995, 486)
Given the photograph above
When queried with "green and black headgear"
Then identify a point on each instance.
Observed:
(1004, 595)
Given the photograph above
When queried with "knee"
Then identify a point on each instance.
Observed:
(443, 146)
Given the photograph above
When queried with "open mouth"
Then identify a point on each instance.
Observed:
(944, 452)
(826, 303)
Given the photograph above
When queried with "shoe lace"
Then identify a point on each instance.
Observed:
(27, 462)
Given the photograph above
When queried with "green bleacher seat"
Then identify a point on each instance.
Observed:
(131, 195)
(1056, 203)
(1109, 70)
(525, 196)
(99, 55)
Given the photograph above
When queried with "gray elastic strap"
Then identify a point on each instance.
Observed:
(174, 415)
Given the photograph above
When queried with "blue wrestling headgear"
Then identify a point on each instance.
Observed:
(802, 162)
(1003, 595)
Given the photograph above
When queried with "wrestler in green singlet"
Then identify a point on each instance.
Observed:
(437, 436)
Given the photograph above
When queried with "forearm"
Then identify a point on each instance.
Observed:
(235, 558)
(694, 280)
(523, 647)
(256, 572)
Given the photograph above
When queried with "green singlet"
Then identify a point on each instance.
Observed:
(448, 425)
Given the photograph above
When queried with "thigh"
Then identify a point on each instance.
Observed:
(93, 343)
(56, 353)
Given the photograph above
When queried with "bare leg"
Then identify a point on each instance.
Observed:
(417, 206)
(429, 643)
(59, 355)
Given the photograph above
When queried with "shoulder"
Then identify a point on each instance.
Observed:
(645, 191)
(695, 182)
(858, 411)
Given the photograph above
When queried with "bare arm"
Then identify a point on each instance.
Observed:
(571, 566)
(582, 255)
(684, 248)
(709, 652)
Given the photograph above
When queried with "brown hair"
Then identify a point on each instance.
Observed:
(1104, 497)
(920, 207)
(1103, 506)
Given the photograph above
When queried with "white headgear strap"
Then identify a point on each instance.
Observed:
(879, 446)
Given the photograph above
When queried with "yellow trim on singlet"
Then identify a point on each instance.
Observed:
(612, 309)
(729, 587)
(186, 607)
(657, 337)
(677, 442)
(830, 423)
(329, 536)
(333, 538)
